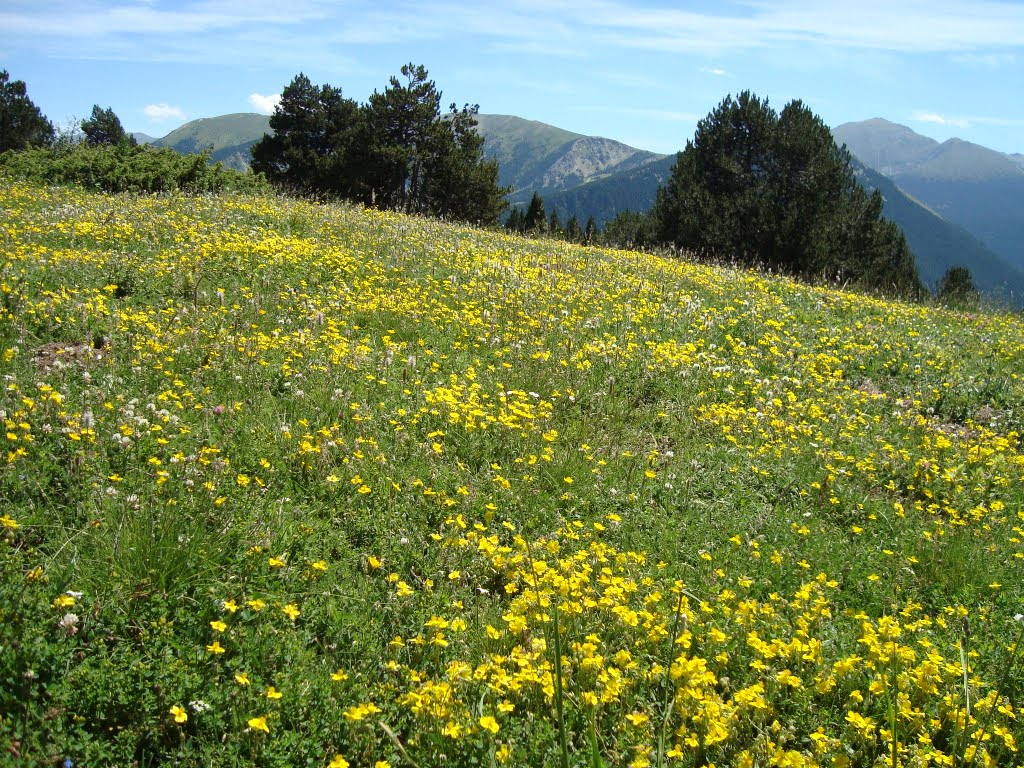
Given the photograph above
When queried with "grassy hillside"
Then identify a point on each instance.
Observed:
(937, 243)
(295, 484)
(534, 156)
(230, 136)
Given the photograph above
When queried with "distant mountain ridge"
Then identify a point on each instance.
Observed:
(897, 150)
(534, 156)
(230, 136)
(970, 185)
(531, 155)
(631, 190)
(939, 244)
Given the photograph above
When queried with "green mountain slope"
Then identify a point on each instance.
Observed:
(231, 136)
(523, 148)
(531, 155)
(975, 187)
(632, 190)
(939, 244)
(534, 156)
(992, 211)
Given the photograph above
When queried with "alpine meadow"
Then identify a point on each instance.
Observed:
(323, 466)
(288, 483)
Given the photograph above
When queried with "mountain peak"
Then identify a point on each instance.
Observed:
(883, 145)
(536, 156)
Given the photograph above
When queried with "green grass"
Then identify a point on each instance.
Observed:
(467, 498)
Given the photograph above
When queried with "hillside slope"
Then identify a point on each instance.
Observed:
(939, 244)
(586, 176)
(278, 472)
(534, 156)
(630, 190)
(230, 136)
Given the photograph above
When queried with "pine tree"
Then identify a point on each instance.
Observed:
(22, 124)
(554, 224)
(774, 190)
(956, 289)
(103, 128)
(404, 135)
(397, 151)
(460, 183)
(311, 149)
(590, 231)
(536, 219)
(421, 162)
(573, 233)
(630, 229)
(515, 221)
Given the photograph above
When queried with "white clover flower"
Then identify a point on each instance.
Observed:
(68, 624)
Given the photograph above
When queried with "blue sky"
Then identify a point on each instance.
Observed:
(642, 72)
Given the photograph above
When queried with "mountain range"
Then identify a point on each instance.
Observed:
(976, 187)
(230, 137)
(534, 156)
(959, 204)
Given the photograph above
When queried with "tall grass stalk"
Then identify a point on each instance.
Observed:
(666, 706)
(892, 700)
(563, 742)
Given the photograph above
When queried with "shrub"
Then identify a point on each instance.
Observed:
(126, 168)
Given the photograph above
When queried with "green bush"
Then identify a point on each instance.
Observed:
(127, 168)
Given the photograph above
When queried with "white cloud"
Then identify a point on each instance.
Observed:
(986, 60)
(934, 117)
(986, 32)
(968, 121)
(160, 112)
(716, 71)
(264, 104)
